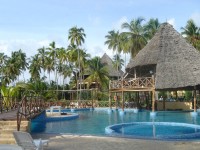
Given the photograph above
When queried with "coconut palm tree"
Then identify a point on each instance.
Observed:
(3, 59)
(49, 66)
(42, 58)
(135, 34)
(151, 27)
(52, 54)
(76, 37)
(21, 61)
(192, 33)
(114, 41)
(66, 71)
(98, 73)
(34, 68)
(117, 62)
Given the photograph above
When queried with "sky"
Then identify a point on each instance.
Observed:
(32, 24)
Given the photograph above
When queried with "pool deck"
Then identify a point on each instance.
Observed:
(76, 142)
(10, 115)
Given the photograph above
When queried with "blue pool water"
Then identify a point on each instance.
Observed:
(94, 122)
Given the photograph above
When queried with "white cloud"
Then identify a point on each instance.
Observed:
(172, 22)
(117, 24)
(28, 46)
(196, 17)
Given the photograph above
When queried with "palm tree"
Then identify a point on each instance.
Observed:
(52, 54)
(65, 71)
(34, 68)
(21, 61)
(42, 58)
(84, 57)
(49, 65)
(151, 28)
(136, 35)
(117, 42)
(114, 41)
(117, 63)
(98, 73)
(76, 37)
(3, 60)
(192, 33)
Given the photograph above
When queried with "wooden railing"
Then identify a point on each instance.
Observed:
(129, 83)
(28, 108)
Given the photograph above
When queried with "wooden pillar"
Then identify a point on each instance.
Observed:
(122, 94)
(122, 101)
(195, 99)
(110, 103)
(153, 100)
(115, 98)
(163, 103)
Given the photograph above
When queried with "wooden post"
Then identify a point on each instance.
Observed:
(164, 103)
(122, 94)
(195, 99)
(110, 103)
(153, 100)
(115, 98)
(153, 95)
(122, 101)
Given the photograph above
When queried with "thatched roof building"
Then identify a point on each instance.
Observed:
(107, 61)
(174, 62)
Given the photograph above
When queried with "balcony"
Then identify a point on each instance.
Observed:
(132, 84)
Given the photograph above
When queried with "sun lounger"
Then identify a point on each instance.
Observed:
(25, 140)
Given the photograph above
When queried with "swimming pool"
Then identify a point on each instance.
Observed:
(94, 122)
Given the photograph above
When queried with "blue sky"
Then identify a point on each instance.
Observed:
(31, 24)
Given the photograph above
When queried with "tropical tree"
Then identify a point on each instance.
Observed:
(76, 37)
(117, 62)
(42, 54)
(34, 68)
(151, 27)
(98, 73)
(7, 93)
(114, 41)
(20, 61)
(135, 34)
(3, 59)
(53, 54)
(49, 66)
(84, 57)
(192, 33)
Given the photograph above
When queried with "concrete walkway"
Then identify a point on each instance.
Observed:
(73, 142)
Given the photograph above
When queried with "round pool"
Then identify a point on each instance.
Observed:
(155, 130)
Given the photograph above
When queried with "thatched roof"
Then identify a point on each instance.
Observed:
(106, 60)
(177, 62)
